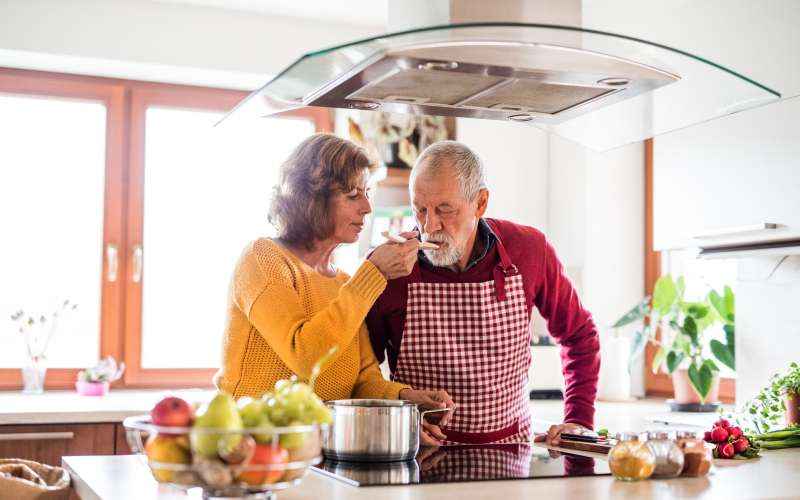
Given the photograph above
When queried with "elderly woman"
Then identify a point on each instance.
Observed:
(288, 304)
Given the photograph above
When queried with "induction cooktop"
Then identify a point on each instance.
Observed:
(466, 463)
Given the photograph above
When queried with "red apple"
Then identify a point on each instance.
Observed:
(172, 412)
(265, 454)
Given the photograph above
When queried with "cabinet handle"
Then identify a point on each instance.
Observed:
(735, 230)
(112, 262)
(137, 263)
(41, 436)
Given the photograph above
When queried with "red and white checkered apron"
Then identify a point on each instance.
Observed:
(471, 340)
(477, 462)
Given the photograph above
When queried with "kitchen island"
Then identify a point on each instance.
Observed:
(774, 475)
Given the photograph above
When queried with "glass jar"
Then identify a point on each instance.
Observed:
(669, 457)
(631, 459)
(697, 457)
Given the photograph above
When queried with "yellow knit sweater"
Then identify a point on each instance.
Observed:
(283, 316)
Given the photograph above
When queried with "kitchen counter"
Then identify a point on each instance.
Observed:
(774, 475)
(68, 407)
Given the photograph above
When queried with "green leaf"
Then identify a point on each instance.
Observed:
(730, 336)
(637, 313)
(723, 354)
(729, 301)
(690, 329)
(664, 294)
(661, 353)
(697, 310)
(718, 303)
(680, 286)
(674, 360)
(701, 380)
(711, 365)
(639, 341)
(682, 344)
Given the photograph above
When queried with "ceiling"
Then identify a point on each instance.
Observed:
(360, 12)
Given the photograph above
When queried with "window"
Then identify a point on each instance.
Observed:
(700, 276)
(122, 197)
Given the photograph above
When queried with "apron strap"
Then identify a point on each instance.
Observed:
(503, 268)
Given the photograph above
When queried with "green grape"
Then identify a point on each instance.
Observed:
(292, 440)
(255, 415)
(321, 414)
(283, 385)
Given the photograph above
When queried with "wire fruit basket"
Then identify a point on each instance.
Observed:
(251, 463)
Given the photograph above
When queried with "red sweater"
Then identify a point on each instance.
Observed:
(546, 286)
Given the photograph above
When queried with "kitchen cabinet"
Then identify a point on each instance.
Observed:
(48, 443)
(736, 171)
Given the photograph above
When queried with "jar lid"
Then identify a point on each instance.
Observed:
(689, 435)
(627, 436)
(653, 435)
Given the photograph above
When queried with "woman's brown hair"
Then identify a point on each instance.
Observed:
(319, 167)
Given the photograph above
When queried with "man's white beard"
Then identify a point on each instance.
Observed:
(444, 256)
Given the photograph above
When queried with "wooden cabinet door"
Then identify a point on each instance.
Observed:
(121, 447)
(48, 443)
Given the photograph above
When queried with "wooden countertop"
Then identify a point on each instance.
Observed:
(774, 475)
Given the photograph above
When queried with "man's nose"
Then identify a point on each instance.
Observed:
(431, 223)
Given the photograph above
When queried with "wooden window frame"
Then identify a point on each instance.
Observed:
(660, 384)
(126, 102)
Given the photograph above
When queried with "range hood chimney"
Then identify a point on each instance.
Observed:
(528, 61)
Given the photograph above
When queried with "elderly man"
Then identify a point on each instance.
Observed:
(461, 320)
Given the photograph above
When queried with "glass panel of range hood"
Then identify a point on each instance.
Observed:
(599, 89)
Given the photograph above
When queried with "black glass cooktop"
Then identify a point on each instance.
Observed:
(466, 463)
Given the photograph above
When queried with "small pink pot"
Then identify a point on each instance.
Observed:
(92, 388)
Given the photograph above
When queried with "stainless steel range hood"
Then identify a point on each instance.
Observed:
(596, 88)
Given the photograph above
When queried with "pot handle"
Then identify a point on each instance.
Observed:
(423, 413)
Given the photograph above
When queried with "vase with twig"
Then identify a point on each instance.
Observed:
(38, 332)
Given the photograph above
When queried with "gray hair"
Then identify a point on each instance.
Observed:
(467, 166)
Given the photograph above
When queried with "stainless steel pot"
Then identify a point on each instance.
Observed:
(373, 430)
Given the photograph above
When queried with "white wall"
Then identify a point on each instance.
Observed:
(596, 224)
(176, 43)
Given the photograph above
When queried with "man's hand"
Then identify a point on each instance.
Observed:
(431, 400)
(431, 435)
(553, 436)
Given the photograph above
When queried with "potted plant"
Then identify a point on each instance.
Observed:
(95, 381)
(780, 398)
(681, 347)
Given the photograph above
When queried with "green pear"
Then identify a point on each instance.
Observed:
(221, 413)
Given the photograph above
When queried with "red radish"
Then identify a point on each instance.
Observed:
(741, 445)
(707, 436)
(719, 435)
(723, 423)
(736, 432)
(725, 450)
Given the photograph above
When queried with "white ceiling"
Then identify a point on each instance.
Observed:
(361, 12)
